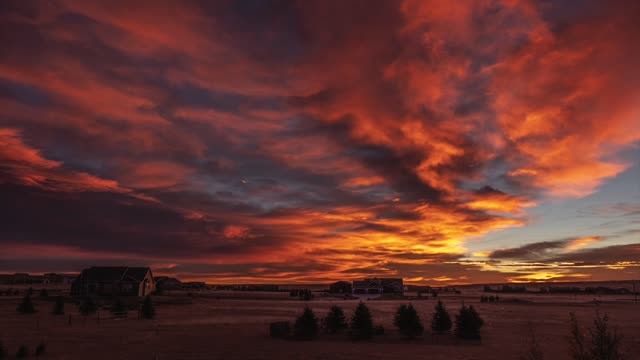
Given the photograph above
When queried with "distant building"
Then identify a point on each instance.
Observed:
(340, 287)
(20, 278)
(113, 281)
(378, 286)
(168, 283)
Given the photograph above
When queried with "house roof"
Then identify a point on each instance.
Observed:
(341, 283)
(114, 274)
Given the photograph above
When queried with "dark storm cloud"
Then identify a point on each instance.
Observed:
(540, 250)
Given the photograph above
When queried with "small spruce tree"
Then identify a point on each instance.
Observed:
(468, 323)
(362, 323)
(306, 325)
(119, 308)
(3, 351)
(26, 305)
(147, 310)
(41, 349)
(604, 343)
(408, 321)
(88, 306)
(533, 351)
(335, 320)
(441, 321)
(58, 306)
(577, 344)
(22, 352)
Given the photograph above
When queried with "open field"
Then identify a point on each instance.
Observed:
(224, 325)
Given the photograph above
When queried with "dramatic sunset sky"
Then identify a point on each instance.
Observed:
(446, 142)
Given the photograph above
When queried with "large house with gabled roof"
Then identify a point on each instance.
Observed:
(115, 281)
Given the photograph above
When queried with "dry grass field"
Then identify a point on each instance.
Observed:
(225, 325)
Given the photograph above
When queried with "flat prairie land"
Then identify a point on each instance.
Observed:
(227, 325)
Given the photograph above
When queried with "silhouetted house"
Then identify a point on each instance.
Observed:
(168, 283)
(20, 278)
(113, 281)
(53, 278)
(340, 287)
(378, 286)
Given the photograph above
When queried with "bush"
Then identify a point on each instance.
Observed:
(280, 329)
(88, 306)
(362, 323)
(44, 293)
(26, 306)
(306, 326)
(119, 308)
(22, 352)
(58, 306)
(41, 349)
(468, 323)
(147, 310)
(408, 321)
(441, 321)
(604, 344)
(335, 320)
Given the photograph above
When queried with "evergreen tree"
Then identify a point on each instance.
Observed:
(306, 325)
(335, 320)
(408, 321)
(362, 323)
(3, 351)
(148, 310)
(41, 349)
(604, 343)
(468, 323)
(26, 306)
(119, 308)
(58, 306)
(441, 321)
(88, 306)
(577, 345)
(22, 352)
(533, 352)
(306, 295)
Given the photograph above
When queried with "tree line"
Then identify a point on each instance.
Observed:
(361, 325)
